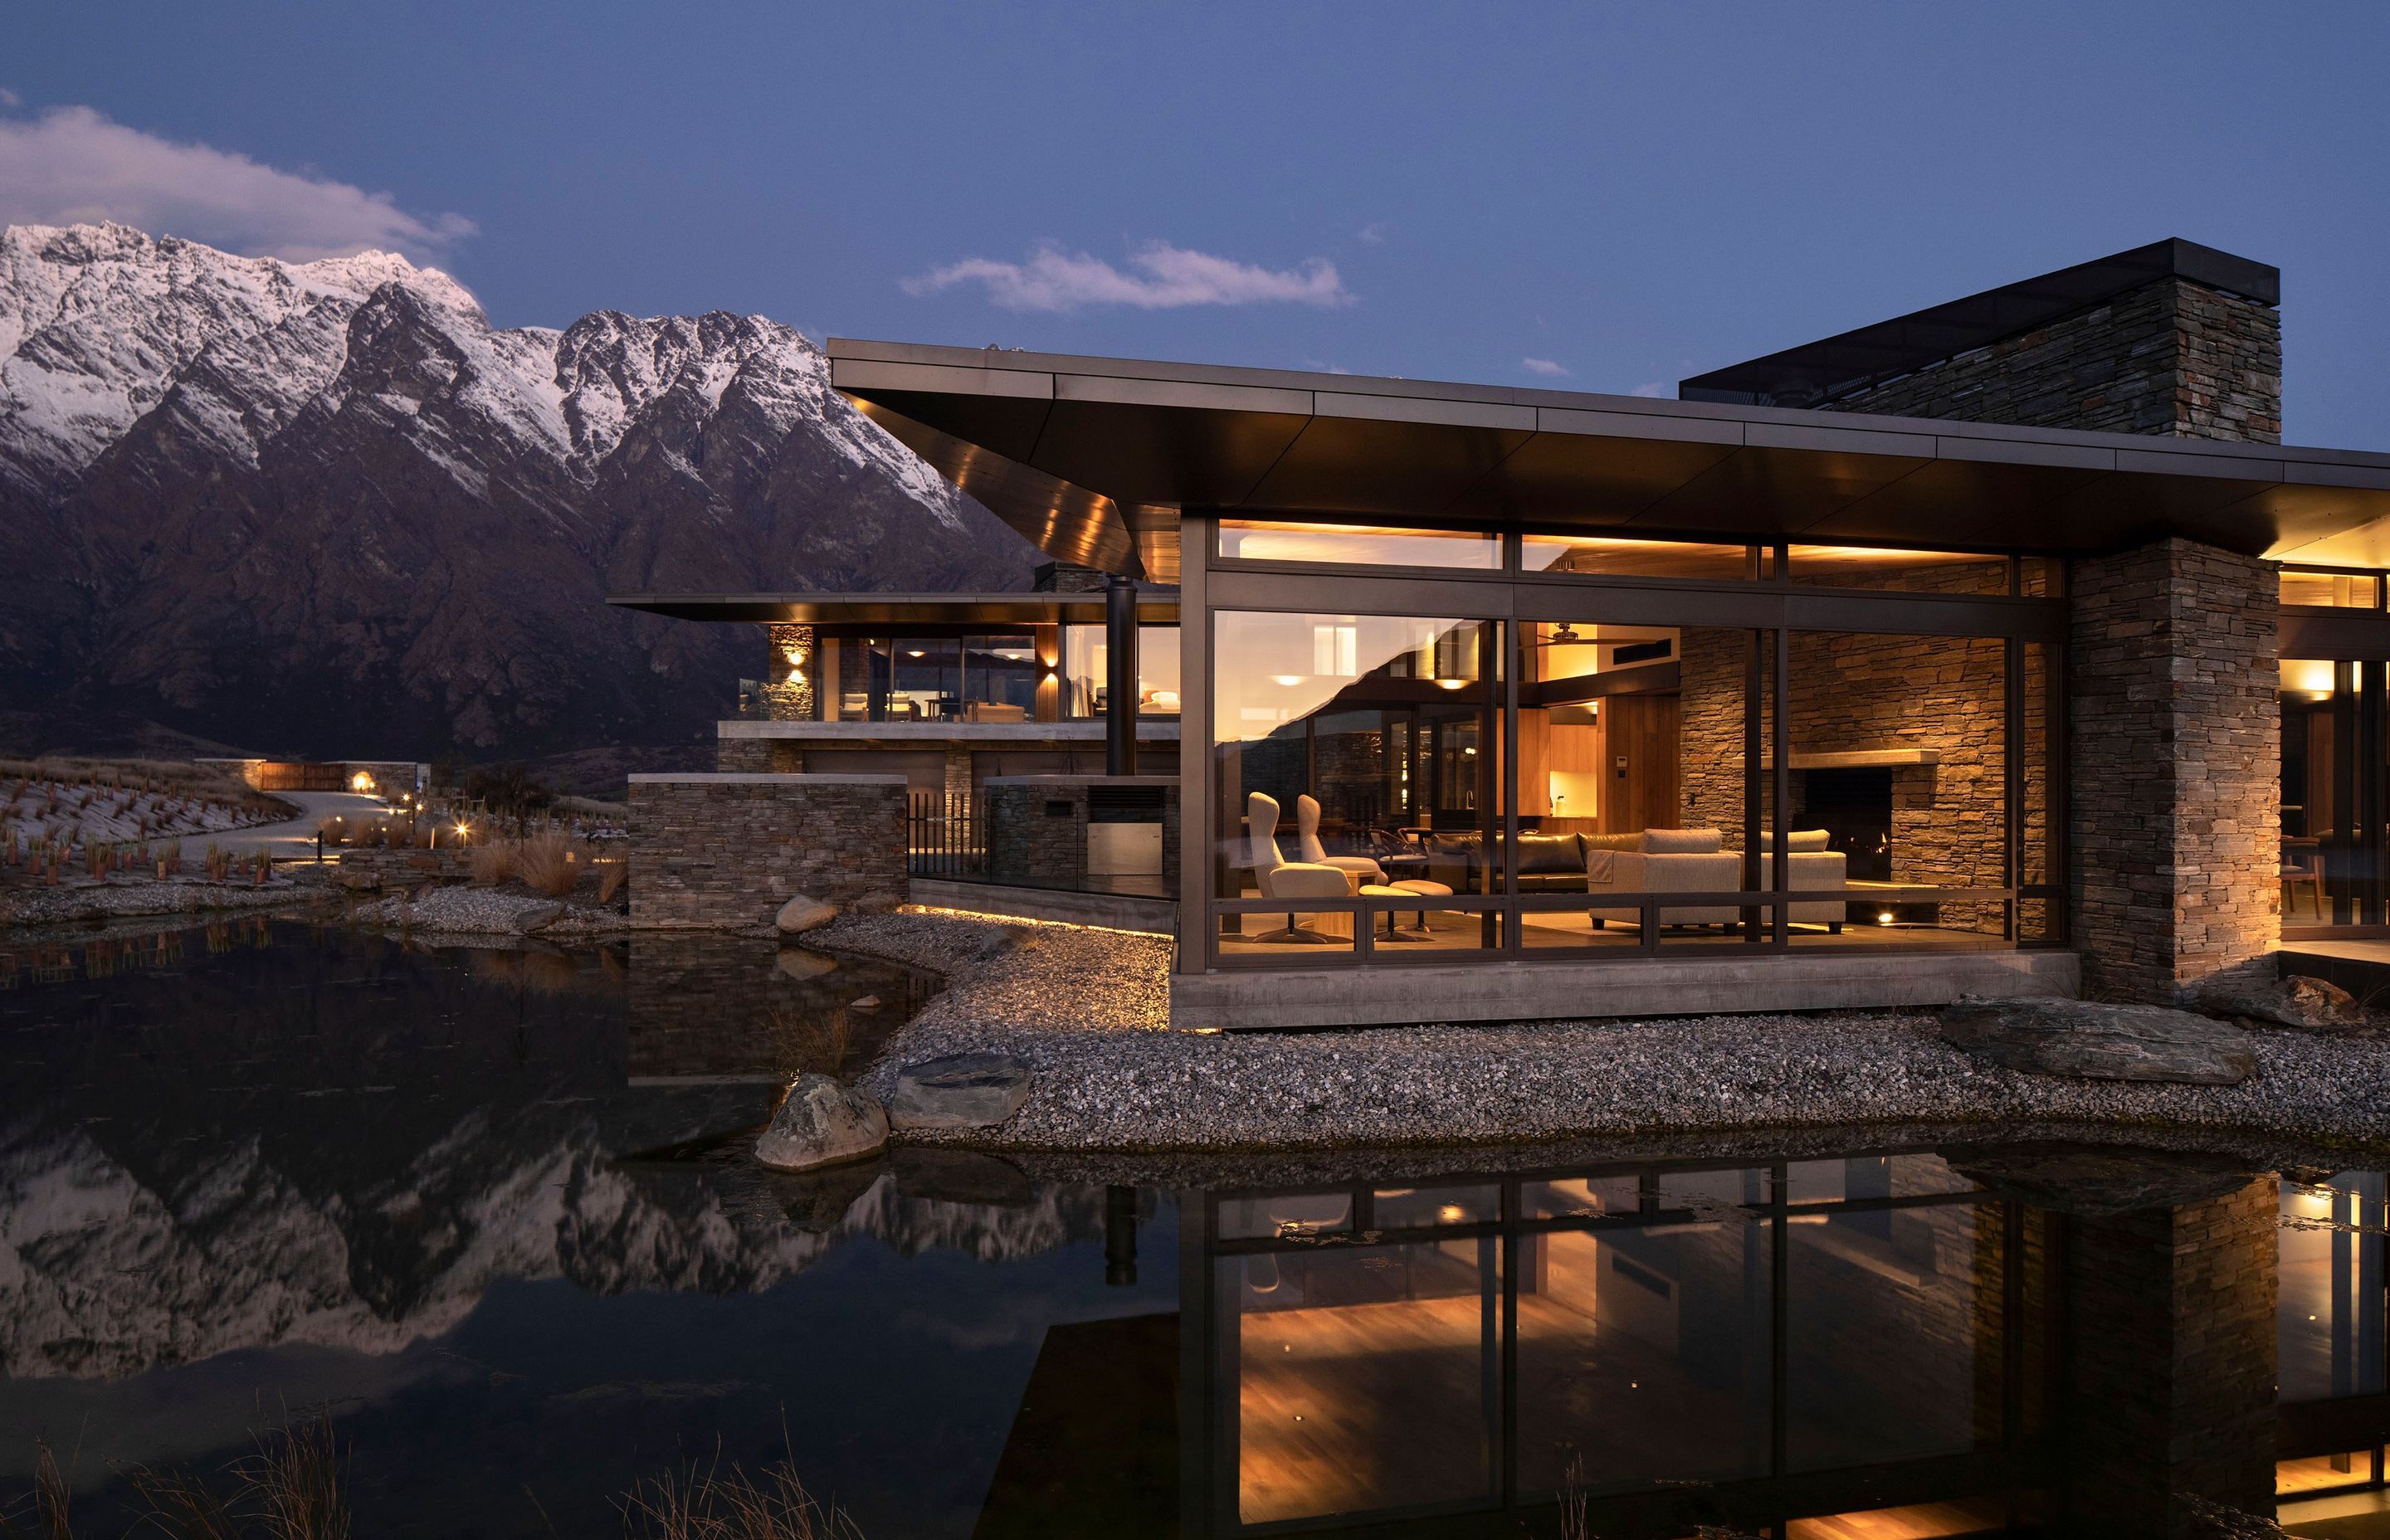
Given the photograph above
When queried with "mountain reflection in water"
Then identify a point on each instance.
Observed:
(477, 1203)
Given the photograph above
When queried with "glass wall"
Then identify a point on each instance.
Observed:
(1389, 728)
(2332, 796)
(1618, 791)
(1087, 659)
(1391, 1351)
(1358, 545)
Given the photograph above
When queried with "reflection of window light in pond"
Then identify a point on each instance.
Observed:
(1336, 650)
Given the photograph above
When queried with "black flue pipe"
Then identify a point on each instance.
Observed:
(1120, 676)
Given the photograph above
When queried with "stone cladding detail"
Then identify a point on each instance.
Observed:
(731, 850)
(2171, 1339)
(2175, 733)
(1037, 833)
(2173, 358)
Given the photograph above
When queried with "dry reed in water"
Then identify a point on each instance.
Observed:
(710, 1505)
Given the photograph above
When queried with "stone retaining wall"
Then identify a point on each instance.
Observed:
(731, 849)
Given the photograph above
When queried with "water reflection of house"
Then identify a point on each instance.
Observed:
(1856, 675)
(1880, 1348)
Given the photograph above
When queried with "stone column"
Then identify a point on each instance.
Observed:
(2175, 732)
(2170, 1362)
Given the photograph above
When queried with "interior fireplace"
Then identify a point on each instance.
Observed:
(1854, 806)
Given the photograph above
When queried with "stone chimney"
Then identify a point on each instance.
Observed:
(2174, 338)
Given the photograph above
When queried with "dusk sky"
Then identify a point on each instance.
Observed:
(1600, 197)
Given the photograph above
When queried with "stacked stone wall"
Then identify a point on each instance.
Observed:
(2176, 731)
(729, 849)
(1858, 691)
(2170, 1362)
(2173, 358)
(1037, 832)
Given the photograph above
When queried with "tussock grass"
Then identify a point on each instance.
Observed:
(492, 863)
(611, 875)
(546, 864)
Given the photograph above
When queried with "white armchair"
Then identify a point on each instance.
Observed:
(1278, 878)
(1306, 845)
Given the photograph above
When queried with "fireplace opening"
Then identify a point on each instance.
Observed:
(1854, 806)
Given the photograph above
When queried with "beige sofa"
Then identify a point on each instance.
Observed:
(1696, 860)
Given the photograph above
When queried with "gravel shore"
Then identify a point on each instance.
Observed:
(1088, 1010)
(120, 896)
(462, 911)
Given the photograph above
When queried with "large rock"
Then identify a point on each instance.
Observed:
(2098, 1180)
(796, 962)
(2089, 1040)
(817, 1201)
(537, 917)
(2308, 1005)
(964, 1090)
(802, 914)
(822, 1122)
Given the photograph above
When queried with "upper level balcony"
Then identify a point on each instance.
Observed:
(944, 676)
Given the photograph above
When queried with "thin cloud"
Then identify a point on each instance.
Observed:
(9, 99)
(1161, 276)
(1658, 390)
(73, 165)
(1372, 233)
(1547, 368)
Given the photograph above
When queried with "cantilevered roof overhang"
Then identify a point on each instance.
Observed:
(870, 609)
(1092, 460)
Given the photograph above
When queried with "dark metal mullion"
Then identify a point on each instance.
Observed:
(2367, 772)
(1512, 1242)
(1781, 857)
(2012, 762)
(2344, 792)
(1754, 766)
(1779, 1266)
(1514, 632)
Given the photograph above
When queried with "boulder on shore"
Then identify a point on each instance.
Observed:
(795, 962)
(2307, 1005)
(822, 1122)
(964, 1090)
(537, 917)
(2089, 1040)
(802, 914)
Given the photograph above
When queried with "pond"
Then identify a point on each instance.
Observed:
(480, 1207)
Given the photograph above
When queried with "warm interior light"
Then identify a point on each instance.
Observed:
(1883, 917)
(1288, 680)
(914, 653)
(1451, 684)
(2309, 677)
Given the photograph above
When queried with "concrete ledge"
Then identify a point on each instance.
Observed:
(1112, 911)
(750, 778)
(1410, 995)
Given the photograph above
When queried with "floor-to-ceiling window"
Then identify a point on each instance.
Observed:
(1398, 1349)
(1591, 764)
(2335, 754)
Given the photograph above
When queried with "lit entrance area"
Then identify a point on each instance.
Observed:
(1397, 785)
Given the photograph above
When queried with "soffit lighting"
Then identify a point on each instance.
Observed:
(1288, 680)
(1451, 684)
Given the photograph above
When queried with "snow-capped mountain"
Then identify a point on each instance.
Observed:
(326, 508)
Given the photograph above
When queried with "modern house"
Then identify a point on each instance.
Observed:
(1996, 647)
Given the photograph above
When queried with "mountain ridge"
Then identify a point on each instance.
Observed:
(328, 508)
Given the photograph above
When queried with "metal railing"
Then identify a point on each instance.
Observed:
(946, 835)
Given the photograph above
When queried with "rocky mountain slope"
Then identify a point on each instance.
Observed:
(327, 508)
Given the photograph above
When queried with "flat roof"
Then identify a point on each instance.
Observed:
(872, 608)
(1867, 355)
(1092, 458)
